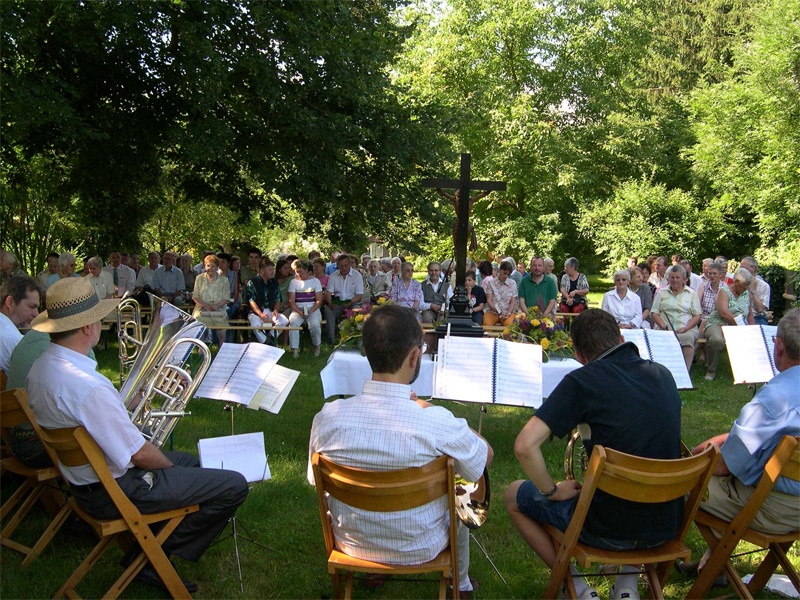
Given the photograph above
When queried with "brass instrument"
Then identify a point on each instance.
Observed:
(129, 335)
(160, 382)
(472, 500)
(575, 453)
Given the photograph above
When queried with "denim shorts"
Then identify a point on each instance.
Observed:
(559, 513)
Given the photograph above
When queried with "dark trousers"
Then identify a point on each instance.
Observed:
(332, 317)
(218, 492)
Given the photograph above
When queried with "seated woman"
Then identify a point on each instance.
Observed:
(211, 293)
(188, 273)
(407, 291)
(502, 298)
(638, 286)
(477, 298)
(574, 287)
(622, 303)
(305, 299)
(677, 308)
(645, 268)
(732, 303)
(319, 271)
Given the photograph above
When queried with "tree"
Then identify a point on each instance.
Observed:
(748, 132)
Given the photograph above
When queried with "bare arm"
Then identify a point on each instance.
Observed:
(720, 468)
(150, 457)
(528, 451)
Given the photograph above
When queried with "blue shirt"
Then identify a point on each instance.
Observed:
(762, 422)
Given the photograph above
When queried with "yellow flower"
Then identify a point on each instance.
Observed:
(381, 300)
(535, 322)
(506, 331)
(545, 344)
(548, 323)
(359, 318)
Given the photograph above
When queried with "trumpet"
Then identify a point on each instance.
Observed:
(472, 500)
(160, 382)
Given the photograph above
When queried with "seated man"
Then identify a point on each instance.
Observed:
(168, 281)
(19, 295)
(436, 294)
(52, 269)
(538, 289)
(264, 298)
(373, 431)
(759, 292)
(773, 413)
(102, 281)
(123, 276)
(144, 279)
(66, 391)
(344, 290)
(619, 401)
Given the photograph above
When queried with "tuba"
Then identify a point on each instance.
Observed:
(162, 380)
(129, 334)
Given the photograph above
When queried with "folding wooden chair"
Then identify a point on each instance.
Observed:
(39, 482)
(723, 536)
(75, 447)
(386, 491)
(638, 480)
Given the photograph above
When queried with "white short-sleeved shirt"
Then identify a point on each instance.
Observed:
(383, 430)
(126, 278)
(627, 310)
(103, 284)
(9, 338)
(346, 287)
(305, 290)
(66, 391)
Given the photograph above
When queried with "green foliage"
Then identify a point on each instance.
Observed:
(645, 219)
(775, 276)
(748, 131)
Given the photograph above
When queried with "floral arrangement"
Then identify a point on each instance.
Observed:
(352, 324)
(549, 333)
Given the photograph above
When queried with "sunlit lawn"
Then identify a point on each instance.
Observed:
(282, 512)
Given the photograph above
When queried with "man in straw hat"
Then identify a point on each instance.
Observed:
(66, 391)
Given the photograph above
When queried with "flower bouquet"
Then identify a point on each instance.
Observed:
(352, 324)
(549, 333)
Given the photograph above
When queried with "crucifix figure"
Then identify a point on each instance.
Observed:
(464, 185)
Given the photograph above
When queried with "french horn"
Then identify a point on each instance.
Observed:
(166, 371)
(472, 500)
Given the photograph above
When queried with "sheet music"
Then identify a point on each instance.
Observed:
(274, 390)
(463, 370)
(238, 371)
(740, 320)
(244, 453)
(466, 368)
(518, 377)
(750, 350)
(637, 337)
(661, 347)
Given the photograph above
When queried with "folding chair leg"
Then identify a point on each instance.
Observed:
(337, 585)
(20, 493)
(443, 588)
(52, 529)
(653, 583)
(763, 573)
(18, 517)
(348, 587)
(788, 569)
(66, 590)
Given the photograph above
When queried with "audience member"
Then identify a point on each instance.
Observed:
(123, 277)
(407, 291)
(345, 290)
(759, 291)
(642, 289)
(305, 300)
(501, 298)
(102, 281)
(477, 298)
(66, 268)
(52, 269)
(210, 297)
(537, 289)
(622, 304)
(264, 298)
(574, 287)
(436, 294)
(677, 308)
(20, 305)
(731, 307)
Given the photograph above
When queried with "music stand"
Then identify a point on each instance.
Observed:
(244, 454)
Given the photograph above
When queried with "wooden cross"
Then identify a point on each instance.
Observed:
(465, 186)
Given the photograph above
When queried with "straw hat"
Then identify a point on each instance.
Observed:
(72, 303)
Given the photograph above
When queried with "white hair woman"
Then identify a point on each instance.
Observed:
(624, 305)
(731, 307)
(677, 308)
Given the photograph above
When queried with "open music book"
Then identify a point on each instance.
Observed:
(661, 347)
(248, 374)
(750, 350)
(488, 370)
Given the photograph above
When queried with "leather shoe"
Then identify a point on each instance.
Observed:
(149, 576)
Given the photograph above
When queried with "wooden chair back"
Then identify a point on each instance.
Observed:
(636, 479)
(387, 491)
(784, 462)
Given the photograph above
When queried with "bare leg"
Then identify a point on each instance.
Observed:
(532, 532)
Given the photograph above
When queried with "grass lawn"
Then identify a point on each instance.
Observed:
(282, 512)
